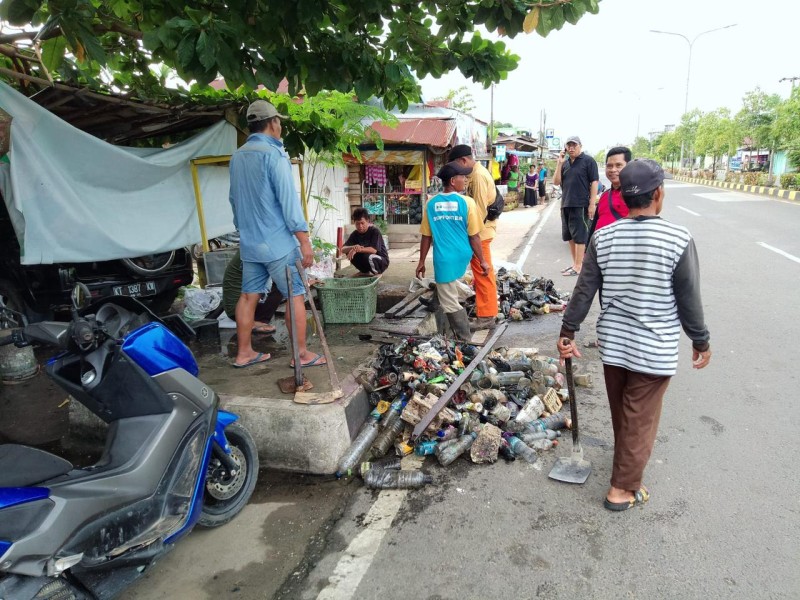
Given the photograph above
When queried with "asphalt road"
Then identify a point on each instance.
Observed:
(723, 518)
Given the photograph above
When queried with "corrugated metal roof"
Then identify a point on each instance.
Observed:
(428, 132)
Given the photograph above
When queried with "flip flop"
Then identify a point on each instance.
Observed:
(259, 358)
(569, 272)
(264, 330)
(312, 363)
(640, 496)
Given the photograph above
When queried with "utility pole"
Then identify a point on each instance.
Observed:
(491, 119)
(792, 79)
(689, 65)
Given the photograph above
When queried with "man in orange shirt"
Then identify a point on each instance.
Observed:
(483, 191)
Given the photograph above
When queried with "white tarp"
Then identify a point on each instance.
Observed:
(75, 198)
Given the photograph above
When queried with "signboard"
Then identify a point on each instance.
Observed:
(554, 143)
(549, 133)
(735, 164)
(500, 152)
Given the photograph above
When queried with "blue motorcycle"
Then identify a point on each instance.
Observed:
(172, 459)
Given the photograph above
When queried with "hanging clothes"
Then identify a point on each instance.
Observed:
(375, 174)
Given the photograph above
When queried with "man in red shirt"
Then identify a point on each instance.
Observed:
(611, 207)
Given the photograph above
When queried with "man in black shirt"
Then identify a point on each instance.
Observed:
(578, 178)
(365, 247)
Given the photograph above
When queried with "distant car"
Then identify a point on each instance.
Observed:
(43, 291)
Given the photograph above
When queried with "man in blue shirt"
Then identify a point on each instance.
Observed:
(450, 223)
(273, 232)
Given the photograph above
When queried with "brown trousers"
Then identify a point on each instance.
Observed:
(635, 401)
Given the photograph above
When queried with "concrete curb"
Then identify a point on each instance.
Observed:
(302, 438)
(792, 195)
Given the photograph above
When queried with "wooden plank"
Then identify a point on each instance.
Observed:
(391, 313)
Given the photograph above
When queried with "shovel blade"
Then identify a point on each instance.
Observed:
(573, 469)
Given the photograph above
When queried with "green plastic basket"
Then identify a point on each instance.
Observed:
(351, 300)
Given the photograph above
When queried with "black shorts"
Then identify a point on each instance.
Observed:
(575, 224)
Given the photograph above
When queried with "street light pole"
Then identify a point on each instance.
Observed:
(689, 64)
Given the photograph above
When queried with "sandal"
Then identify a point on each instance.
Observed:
(569, 272)
(640, 496)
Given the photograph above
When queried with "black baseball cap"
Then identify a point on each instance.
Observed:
(640, 176)
(459, 151)
(450, 170)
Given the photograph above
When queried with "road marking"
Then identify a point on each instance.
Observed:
(779, 251)
(691, 212)
(732, 197)
(358, 557)
(527, 250)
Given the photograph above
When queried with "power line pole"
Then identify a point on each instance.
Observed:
(792, 79)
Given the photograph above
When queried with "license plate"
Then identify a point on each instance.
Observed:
(135, 290)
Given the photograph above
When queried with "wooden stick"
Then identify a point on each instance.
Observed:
(298, 368)
(328, 358)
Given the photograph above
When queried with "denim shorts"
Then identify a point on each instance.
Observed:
(255, 275)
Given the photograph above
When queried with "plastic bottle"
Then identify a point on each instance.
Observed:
(388, 435)
(530, 436)
(363, 441)
(452, 452)
(521, 449)
(426, 448)
(583, 379)
(506, 452)
(379, 479)
(556, 421)
(392, 426)
(542, 444)
(387, 464)
(463, 424)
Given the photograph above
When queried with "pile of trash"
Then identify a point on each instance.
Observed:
(508, 407)
(521, 296)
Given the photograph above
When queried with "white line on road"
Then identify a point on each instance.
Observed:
(779, 251)
(527, 250)
(356, 560)
(691, 212)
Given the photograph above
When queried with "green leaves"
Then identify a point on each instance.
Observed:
(53, 54)
(375, 47)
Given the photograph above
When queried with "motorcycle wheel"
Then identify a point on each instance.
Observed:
(39, 588)
(225, 496)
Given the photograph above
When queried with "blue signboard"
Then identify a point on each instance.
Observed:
(735, 164)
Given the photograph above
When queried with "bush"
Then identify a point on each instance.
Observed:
(790, 181)
(751, 178)
(703, 174)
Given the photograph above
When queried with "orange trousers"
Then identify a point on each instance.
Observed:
(485, 285)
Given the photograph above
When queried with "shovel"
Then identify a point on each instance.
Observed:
(573, 469)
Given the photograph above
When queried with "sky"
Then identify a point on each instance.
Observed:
(608, 76)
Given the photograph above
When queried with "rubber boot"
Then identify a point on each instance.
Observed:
(432, 304)
(459, 323)
(442, 323)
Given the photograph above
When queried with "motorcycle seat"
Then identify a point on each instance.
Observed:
(22, 466)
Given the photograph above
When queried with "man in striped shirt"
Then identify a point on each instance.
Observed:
(648, 274)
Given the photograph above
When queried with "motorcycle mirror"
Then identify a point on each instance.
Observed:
(80, 296)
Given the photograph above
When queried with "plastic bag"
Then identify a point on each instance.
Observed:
(322, 269)
(200, 302)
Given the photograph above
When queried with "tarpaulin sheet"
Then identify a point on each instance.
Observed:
(75, 198)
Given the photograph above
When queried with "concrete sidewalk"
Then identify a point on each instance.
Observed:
(513, 230)
(792, 195)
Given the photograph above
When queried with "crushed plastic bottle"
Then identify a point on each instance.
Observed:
(521, 449)
(380, 479)
(359, 446)
(387, 464)
(452, 452)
